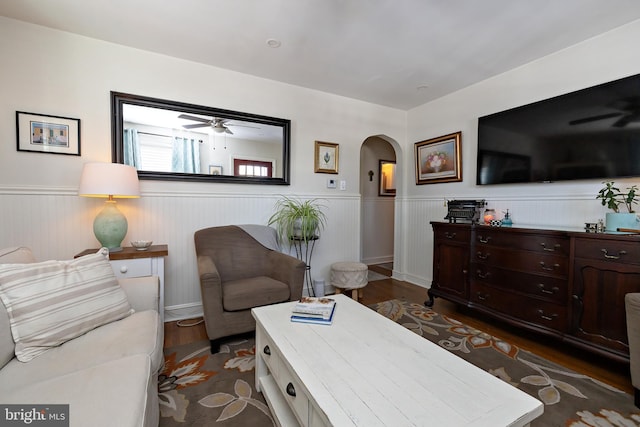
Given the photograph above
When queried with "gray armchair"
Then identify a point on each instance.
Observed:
(632, 307)
(238, 273)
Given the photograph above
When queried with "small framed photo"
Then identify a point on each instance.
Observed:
(47, 134)
(439, 159)
(387, 181)
(326, 157)
(215, 170)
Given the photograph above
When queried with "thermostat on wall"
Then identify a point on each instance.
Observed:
(331, 183)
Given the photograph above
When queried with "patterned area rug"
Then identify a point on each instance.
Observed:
(570, 399)
(200, 389)
(197, 388)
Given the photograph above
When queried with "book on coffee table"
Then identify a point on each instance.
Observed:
(316, 307)
(314, 310)
(304, 318)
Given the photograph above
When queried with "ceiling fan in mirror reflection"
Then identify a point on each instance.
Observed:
(217, 124)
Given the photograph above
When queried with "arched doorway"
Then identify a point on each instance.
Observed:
(380, 185)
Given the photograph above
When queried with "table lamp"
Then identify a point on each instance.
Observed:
(110, 180)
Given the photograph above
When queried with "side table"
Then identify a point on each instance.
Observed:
(130, 262)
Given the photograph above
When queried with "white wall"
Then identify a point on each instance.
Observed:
(607, 57)
(56, 73)
(51, 72)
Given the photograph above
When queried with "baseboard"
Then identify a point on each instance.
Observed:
(415, 280)
(183, 311)
(189, 311)
(377, 260)
(328, 290)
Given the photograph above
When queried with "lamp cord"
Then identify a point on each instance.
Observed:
(182, 324)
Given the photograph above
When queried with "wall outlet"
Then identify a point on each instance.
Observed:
(343, 185)
(331, 183)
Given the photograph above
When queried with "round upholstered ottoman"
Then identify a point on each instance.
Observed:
(349, 276)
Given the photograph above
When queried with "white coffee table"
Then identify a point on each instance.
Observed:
(366, 370)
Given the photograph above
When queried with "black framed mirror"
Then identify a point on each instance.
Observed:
(169, 140)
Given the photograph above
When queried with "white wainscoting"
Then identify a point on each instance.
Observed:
(57, 224)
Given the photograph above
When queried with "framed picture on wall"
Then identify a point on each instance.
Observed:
(215, 170)
(326, 157)
(439, 159)
(387, 174)
(47, 134)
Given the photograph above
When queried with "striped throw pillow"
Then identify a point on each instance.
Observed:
(52, 302)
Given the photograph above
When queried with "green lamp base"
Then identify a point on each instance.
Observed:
(110, 227)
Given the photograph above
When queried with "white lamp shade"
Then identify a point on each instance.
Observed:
(109, 179)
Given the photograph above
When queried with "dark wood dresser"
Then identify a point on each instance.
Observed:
(566, 284)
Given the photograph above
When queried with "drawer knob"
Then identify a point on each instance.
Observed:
(123, 269)
(482, 275)
(484, 239)
(449, 235)
(482, 297)
(607, 256)
(553, 267)
(480, 255)
(553, 249)
(547, 291)
(291, 390)
(548, 317)
(266, 350)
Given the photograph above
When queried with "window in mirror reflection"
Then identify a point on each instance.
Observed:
(160, 140)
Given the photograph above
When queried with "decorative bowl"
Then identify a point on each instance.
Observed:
(141, 245)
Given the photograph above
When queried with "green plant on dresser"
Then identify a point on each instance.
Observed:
(615, 199)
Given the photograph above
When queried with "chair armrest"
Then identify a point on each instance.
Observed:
(211, 291)
(143, 293)
(289, 270)
(210, 283)
(208, 272)
(632, 308)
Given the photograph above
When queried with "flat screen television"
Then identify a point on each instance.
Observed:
(592, 133)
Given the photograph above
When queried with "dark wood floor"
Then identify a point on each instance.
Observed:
(605, 370)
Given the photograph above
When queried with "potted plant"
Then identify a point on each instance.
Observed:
(615, 199)
(298, 219)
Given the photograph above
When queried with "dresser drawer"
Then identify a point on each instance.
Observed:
(543, 313)
(131, 267)
(552, 289)
(449, 233)
(525, 261)
(548, 244)
(608, 250)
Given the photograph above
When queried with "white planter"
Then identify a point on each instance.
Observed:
(622, 220)
(310, 225)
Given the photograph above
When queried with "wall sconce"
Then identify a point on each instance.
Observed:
(109, 180)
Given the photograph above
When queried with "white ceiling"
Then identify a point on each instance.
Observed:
(397, 53)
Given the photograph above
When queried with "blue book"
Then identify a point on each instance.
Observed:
(301, 318)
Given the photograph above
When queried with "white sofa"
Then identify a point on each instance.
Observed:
(108, 375)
